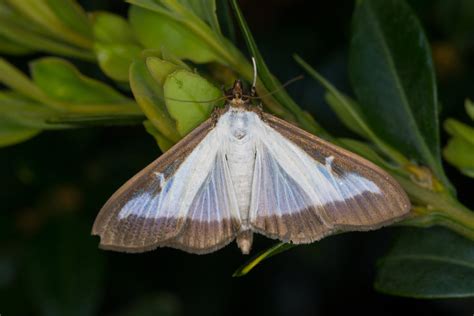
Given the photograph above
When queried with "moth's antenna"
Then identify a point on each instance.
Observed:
(281, 87)
(201, 101)
(254, 82)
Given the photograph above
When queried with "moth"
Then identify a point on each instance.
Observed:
(244, 171)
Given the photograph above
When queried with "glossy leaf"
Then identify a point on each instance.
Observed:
(63, 88)
(12, 132)
(43, 15)
(71, 14)
(115, 45)
(393, 77)
(161, 140)
(26, 112)
(460, 148)
(149, 96)
(11, 47)
(222, 50)
(266, 254)
(188, 86)
(461, 130)
(206, 10)
(160, 69)
(167, 56)
(350, 113)
(21, 30)
(62, 81)
(428, 263)
(156, 30)
(71, 120)
(364, 150)
(460, 153)
(19, 82)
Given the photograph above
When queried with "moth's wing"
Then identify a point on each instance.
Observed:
(305, 188)
(213, 218)
(161, 205)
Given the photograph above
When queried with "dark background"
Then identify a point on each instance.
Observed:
(53, 186)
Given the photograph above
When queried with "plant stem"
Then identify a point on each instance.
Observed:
(441, 209)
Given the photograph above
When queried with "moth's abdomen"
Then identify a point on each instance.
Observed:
(241, 160)
(240, 155)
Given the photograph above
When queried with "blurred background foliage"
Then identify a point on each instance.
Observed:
(393, 83)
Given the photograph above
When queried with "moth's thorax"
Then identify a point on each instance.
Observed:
(236, 127)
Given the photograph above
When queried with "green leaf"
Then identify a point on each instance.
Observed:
(161, 140)
(188, 86)
(197, 31)
(19, 29)
(156, 30)
(350, 113)
(66, 89)
(160, 69)
(266, 254)
(71, 14)
(460, 153)
(11, 47)
(167, 56)
(393, 77)
(72, 120)
(17, 81)
(206, 10)
(364, 150)
(149, 96)
(26, 112)
(41, 13)
(64, 270)
(12, 133)
(428, 263)
(226, 21)
(460, 148)
(461, 130)
(115, 45)
(61, 81)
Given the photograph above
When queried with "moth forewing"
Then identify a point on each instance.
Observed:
(130, 220)
(382, 201)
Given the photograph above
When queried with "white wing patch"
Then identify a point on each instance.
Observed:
(173, 197)
(316, 179)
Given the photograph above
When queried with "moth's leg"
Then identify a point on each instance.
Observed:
(253, 91)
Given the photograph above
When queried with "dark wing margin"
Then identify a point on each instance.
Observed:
(131, 233)
(350, 193)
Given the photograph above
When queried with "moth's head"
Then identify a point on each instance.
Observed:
(238, 96)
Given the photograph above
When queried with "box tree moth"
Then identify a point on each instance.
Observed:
(244, 171)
